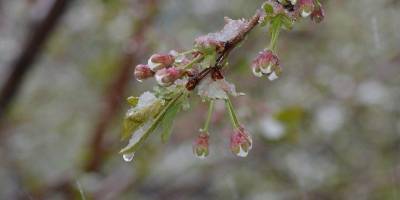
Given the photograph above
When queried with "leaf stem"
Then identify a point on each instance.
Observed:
(195, 60)
(187, 52)
(209, 115)
(232, 114)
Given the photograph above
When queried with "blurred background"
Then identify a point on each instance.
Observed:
(329, 128)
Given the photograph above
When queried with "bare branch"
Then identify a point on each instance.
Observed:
(31, 50)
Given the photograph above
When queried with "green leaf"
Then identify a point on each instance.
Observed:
(168, 121)
(128, 127)
(132, 101)
(138, 117)
(132, 147)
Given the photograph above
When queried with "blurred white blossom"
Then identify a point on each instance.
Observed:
(271, 128)
(330, 118)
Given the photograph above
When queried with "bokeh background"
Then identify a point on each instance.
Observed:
(329, 128)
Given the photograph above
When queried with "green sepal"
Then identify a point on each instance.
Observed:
(268, 8)
(132, 101)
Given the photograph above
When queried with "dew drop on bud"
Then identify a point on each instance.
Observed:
(128, 157)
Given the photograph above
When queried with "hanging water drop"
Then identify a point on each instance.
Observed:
(128, 157)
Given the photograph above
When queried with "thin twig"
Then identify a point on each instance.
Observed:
(229, 46)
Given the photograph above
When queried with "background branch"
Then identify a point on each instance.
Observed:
(29, 54)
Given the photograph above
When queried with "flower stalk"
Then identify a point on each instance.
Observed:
(232, 113)
(209, 116)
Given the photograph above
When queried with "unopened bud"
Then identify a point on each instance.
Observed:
(143, 72)
(200, 145)
(159, 61)
(266, 63)
(306, 7)
(318, 14)
(167, 76)
(241, 142)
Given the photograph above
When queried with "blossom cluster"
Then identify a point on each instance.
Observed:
(161, 66)
(178, 73)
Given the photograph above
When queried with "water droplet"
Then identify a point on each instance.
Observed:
(128, 157)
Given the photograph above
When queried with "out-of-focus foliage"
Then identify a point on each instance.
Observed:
(329, 128)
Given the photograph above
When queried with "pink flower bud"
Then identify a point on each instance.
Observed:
(266, 63)
(306, 7)
(143, 72)
(200, 146)
(318, 14)
(208, 44)
(241, 142)
(159, 61)
(167, 76)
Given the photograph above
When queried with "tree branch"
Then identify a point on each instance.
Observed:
(32, 48)
(228, 47)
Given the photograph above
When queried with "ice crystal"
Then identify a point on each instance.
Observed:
(218, 89)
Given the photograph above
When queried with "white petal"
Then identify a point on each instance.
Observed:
(272, 76)
(153, 66)
(256, 73)
(201, 156)
(266, 70)
(305, 14)
(242, 153)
